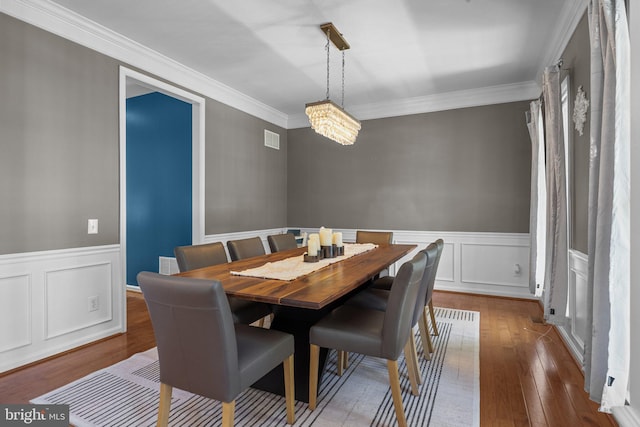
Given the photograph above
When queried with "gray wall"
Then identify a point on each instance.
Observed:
(59, 150)
(58, 141)
(246, 181)
(457, 170)
(577, 61)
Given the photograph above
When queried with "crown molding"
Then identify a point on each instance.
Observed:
(69, 25)
(72, 26)
(440, 102)
(570, 17)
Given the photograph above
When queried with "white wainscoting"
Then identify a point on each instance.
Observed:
(45, 296)
(574, 332)
(480, 263)
(45, 302)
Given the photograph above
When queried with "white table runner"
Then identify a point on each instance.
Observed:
(294, 267)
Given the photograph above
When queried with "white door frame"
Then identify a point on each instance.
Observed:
(197, 161)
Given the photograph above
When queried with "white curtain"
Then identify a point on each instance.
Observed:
(607, 348)
(538, 208)
(556, 267)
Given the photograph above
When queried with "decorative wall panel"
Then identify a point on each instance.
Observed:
(494, 264)
(54, 301)
(15, 312)
(77, 298)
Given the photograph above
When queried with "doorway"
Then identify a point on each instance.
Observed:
(158, 180)
(133, 83)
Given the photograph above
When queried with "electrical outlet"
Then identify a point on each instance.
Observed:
(517, 270)
(94, 304)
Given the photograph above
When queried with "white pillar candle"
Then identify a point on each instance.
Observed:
(337, 239)
(325, 236)
(312, 247)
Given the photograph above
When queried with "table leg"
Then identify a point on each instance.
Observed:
(296, 321)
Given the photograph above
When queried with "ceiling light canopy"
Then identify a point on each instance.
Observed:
(326, 117)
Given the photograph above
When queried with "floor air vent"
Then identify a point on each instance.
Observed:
(168, 266)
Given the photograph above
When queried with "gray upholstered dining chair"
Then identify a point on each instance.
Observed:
(192, 257)
(385, 283)
(377, 237)
(245, 248)
(282, 242)
(378, 299)
(372, 332)
(432, 283)
(199, 256)
(218, 364)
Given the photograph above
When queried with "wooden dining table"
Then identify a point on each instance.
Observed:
(299, 303)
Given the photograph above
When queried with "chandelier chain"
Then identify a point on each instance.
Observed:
(342, 79)
(328, 47)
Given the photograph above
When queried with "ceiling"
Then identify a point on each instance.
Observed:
(406, 56)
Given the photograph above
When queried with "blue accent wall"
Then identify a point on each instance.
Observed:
(159, 180)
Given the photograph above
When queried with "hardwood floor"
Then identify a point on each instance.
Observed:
(527, 376)
(21, 385)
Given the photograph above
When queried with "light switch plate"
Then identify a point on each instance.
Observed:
(92, 227)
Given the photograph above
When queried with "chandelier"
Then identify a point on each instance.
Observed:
(326, 117)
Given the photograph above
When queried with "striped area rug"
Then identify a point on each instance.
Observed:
(126, 394)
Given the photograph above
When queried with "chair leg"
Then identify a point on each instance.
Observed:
(394, 380)
(427, 344)
(314, 355)
(341, 362)
(433, 319)
(414, 356)
(346, 360)
(411, 368)
(424, 337)
(228, 410)
(289, 389)
(165, 405)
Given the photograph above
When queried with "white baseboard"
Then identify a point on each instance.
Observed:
(45, 302)
(626, 416)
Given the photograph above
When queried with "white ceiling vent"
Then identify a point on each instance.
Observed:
(271, 139)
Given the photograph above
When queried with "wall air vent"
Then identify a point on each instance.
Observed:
(271, 139)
